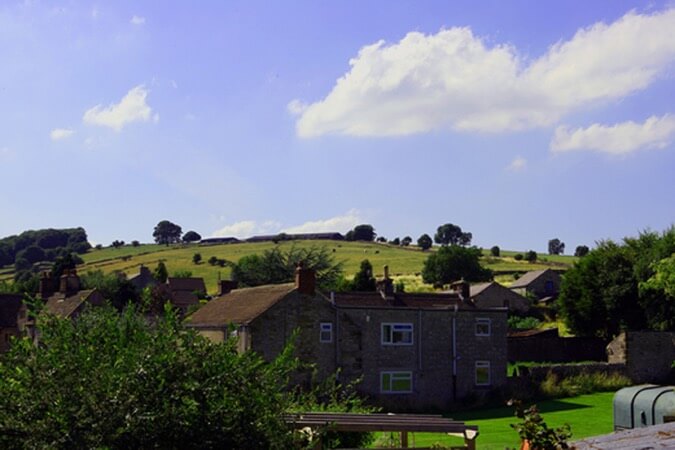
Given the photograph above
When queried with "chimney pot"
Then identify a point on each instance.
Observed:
(305, 279)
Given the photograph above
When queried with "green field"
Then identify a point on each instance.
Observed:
(404, 262)
(588, 415)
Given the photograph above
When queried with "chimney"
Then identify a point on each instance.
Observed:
(463, 289)
(305, 279)
(69, 282)
(47, 287)
(386, 285)
(225, 286)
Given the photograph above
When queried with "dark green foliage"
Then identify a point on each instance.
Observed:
(534, 430)
(556, 247)
(191, 236)
(21, 265)
(32, 254)
(424, 242)
(213, 260)
(523, 323)
(495, 251)
(518, 257)
(182, 274)
(197, 258)
(406, 241)
(135, 243)
(364, 279)
(609, 289)
(581, 250)
(381, 239)
(161, 273)
(25, 244)
(114, 287)
(451, 234)
(363, 232)
(453, 263)
(531, 256)
(276, 266)
(395, 241)
(117, 244)
(167, 233)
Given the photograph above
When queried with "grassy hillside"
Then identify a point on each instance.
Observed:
(403, 262)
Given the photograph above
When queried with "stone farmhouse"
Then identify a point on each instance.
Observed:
(544, 285)
(409, 351)
(494, 295)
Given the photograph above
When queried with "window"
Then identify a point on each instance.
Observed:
(326, 332)
(482, 373)
(395, 382)
(482, 327)
(397, 334)
(548, 287)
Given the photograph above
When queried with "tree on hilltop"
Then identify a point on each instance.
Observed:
(167, 233)
(556, 247)
(451, 234)
(424, 242)
(191, 236)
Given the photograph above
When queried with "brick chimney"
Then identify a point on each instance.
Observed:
(386, 285)
(305, 279)
(225, 286)
(47, 285)
(69, 282)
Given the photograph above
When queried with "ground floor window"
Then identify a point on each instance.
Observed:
(326, 333)
(483, 373)
(395, 382)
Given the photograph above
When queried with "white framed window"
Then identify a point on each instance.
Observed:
(397, 334)
(483, 373)
(326, 332)
(396, 382)
(483, 326)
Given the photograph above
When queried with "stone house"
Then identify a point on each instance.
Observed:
(494, 295)
(408, 351)
(185, 291)
(142, 279)
(10, 305)
(544, 285)
(648, 355)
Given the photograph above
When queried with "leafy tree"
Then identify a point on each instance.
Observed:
(556, 247)
(113, 286)
(213, 260)
(395, 241)
(363, 232)
(32, 254)
(167, 233)
(495, 251)
(581, 250)
(453, 263)
(531, 256)
(451, 234)
(381, 239)
(197, 258)
(424, 242)
(117, 244)
(135, 243)
(406, 241)
(518, 257)
(276, 266)
(349, 236)
(161, 273)
(364, 279)
(191, 236)
(117, 381)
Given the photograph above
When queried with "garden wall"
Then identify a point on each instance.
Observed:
(556, 349)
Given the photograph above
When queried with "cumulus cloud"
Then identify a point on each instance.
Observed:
(247, 228)
(132, 108)
(519, 163)
(618, 139)
(341, 223)
(60, 133)
(137, 20)
(455, 80)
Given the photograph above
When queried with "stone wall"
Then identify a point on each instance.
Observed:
(648, 355)
(556, 349)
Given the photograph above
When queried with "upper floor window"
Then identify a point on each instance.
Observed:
(397, 334)
(395, 382)
(326, 332)
(483, 327)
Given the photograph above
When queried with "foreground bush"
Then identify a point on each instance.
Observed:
(115, 381)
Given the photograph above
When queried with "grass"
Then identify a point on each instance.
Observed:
(588, 415)
(405, 263)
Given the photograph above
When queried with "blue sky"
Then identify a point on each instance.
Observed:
(520, 121)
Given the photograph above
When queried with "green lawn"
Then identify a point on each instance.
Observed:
(588, 415)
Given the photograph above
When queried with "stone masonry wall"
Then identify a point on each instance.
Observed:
(648, 355)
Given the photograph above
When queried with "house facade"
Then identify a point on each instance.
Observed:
(494, 295)
(408, 351)
(541, 284)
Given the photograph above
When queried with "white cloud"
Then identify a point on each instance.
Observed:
(60, 133)
(454, 80)
(618, 139)
(519, 163)
(137, 20)
(247, 228)
(341, 224)
(132, 108)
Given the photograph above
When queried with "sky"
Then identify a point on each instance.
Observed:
(519, 121)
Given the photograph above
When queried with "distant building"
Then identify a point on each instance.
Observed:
(219, 240)
(494, 295)
(142, 279)
(544, 285)
(411, 351)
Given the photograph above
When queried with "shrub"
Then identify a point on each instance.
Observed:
(584, 383)
(531, 256)
(495, 251)
(518, 257)
(523, 323)
(197, 258)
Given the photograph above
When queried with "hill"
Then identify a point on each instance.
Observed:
(403, 261)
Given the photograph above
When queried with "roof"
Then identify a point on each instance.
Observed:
(9, 309)
(538, 332)
(191, 284)
(64, 306)
(654, 437)
(479, 287)
(240, 306)
(528, 278)
(399, 300)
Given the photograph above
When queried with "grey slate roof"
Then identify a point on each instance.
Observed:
(528, 278)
